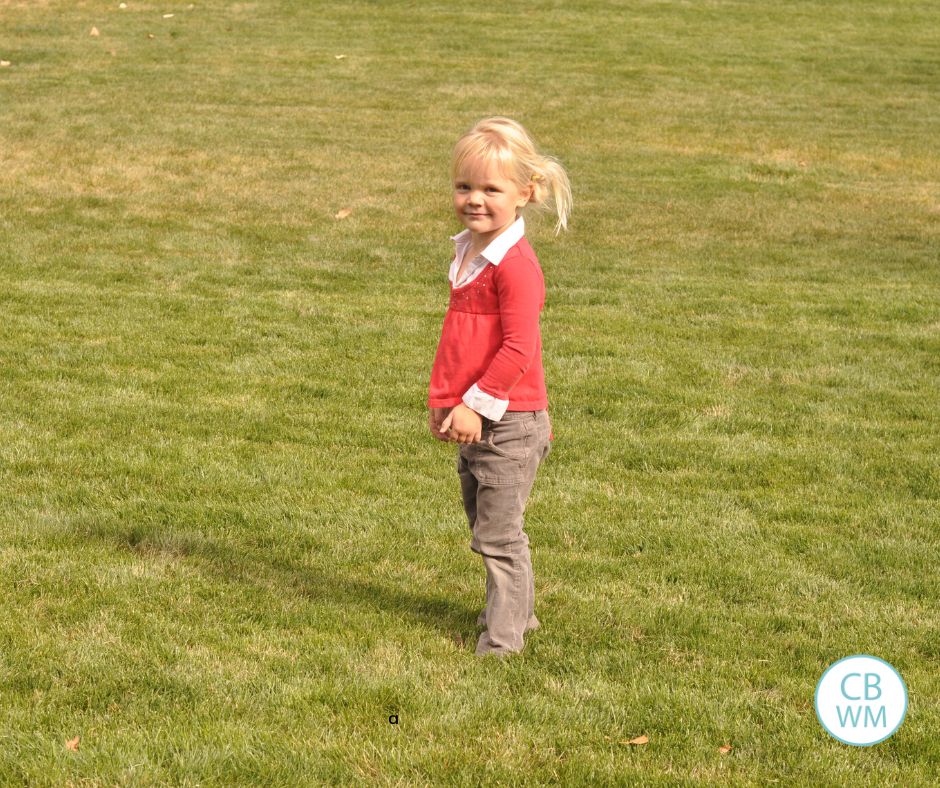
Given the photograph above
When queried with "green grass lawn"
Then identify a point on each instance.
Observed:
(229, 548)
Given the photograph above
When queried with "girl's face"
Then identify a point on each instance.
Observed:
(485, 200)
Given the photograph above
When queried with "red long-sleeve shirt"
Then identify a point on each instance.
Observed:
(491, 336)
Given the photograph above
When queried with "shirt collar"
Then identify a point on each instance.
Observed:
(498, 247)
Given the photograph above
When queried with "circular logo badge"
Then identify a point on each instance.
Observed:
(861, 700)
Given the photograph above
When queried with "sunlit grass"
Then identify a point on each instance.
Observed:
(229, 549)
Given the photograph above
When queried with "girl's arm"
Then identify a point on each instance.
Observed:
(521, 292)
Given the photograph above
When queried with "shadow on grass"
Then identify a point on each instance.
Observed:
(265, 570)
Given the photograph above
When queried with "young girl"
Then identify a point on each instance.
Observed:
(487, 390)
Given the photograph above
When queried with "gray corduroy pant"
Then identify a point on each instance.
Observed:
(496, 477)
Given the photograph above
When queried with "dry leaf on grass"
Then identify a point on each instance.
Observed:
(639, 740)
(725, 749)
(149, 35)
(94, 32)
(123, 5)
(4, 63)
(339, 57)
(343, 213)
(72, 744)
(168, 16)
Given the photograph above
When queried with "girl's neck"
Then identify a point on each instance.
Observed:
(476, 247)
(479, 241)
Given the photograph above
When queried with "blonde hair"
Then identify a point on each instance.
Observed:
(508, 144)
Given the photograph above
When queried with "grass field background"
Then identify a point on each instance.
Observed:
(229, 548)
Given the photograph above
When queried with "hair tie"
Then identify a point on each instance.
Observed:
(536, 177)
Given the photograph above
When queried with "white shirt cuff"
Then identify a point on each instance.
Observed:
(485, 404)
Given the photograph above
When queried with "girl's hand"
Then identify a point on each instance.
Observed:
(463, 425)
(435, 419)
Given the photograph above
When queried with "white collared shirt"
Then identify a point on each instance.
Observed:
(475, 398)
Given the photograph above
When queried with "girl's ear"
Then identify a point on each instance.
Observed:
(526, 196)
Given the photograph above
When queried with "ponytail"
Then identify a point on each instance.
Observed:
(552, 189)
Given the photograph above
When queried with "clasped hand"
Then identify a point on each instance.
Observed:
(460, 424)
